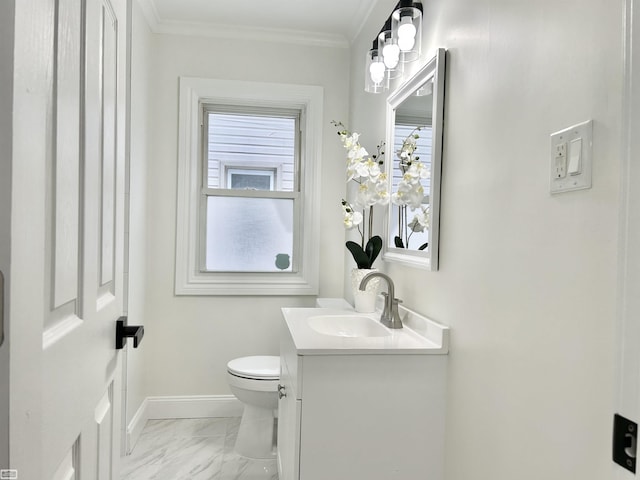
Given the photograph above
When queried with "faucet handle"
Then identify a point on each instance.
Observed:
(386, 298)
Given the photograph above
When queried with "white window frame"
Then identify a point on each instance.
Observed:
(194, 92)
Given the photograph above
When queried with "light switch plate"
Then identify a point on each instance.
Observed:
(569, 137)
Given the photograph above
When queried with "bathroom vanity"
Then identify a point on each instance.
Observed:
(358, 400)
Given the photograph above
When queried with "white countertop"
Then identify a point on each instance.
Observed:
(420, 335)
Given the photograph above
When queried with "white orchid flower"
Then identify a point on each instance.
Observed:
(383, 197)
(419, 170)
(415, 197)
(350, 141)
(352, 168)
(365, 196)
(410, 192)
(368, 169)
(357, 153)
(352, 219)
(420, 220)
(372, 193)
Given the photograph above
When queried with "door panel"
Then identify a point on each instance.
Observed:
(109, 148)
(66, 153)
(68, 467)
(104, 435)
(63, 236)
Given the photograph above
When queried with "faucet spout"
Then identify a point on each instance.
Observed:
(390, 317)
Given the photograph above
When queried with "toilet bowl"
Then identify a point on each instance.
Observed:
(254, 381)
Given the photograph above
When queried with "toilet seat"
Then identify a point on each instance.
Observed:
(254, 382)
(255, 368)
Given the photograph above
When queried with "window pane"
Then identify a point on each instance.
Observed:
(239, 178)
(249, 234)
(254, 142)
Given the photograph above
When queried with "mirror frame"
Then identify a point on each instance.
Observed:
(435, 69)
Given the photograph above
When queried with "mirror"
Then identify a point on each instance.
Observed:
(414, 159)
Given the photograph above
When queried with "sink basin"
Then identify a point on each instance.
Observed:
(347, 326)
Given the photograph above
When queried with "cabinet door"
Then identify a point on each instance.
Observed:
(289, 409)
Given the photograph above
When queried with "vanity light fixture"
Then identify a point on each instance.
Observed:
(406, 27)
(390, 51)
(375, 79)
(398, 42)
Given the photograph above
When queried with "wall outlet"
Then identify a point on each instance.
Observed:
(571, 147)
(561, 160)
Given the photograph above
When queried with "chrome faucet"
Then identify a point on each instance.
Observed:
(390, 317)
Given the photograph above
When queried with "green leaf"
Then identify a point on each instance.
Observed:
(361, 258)
(398, 241)
(423, 246)
(373, 247)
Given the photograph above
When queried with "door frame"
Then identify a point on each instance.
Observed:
(627, 381)
(7, 9)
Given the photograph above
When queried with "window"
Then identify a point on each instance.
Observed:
(250, 164)
(250, 178)
(248, 170)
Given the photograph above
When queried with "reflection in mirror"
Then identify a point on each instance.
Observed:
(414, 129)
(411, 170)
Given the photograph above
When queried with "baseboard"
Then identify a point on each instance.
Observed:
(194, 406)
(135, 426)
(191, 406)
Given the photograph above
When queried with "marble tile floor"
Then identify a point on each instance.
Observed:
(192, 449)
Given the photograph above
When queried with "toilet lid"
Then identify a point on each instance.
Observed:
(260, 367)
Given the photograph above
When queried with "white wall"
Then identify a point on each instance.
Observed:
(139, 164)
(189, 340)
(527, 280)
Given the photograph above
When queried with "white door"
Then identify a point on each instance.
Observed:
(67, 222)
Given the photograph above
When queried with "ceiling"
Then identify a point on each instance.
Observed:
(324, 22)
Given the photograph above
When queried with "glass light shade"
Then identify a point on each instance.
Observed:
(406, 27)
(390, 54)
(375, 80)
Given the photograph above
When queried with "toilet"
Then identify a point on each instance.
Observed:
(254, 381)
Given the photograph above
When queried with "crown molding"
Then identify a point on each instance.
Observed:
(207, 29)
(150, 13)
(360, 19)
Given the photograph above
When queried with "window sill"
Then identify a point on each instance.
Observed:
(244, 284)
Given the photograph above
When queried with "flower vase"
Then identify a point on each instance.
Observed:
(364, 301)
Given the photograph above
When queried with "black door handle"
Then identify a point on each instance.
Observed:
(123, 331)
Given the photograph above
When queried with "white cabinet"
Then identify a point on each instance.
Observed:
(360, 416)
(289, 412)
